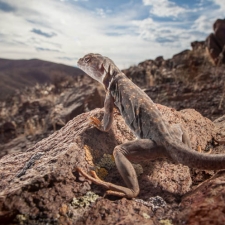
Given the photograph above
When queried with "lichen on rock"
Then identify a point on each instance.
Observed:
(84, 201)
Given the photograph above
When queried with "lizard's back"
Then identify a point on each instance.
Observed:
(138, 110)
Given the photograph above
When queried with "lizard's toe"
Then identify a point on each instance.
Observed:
(199, 149)
(115, 193)
(95, 121)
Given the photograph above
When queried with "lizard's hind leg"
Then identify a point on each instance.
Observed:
(141, 149)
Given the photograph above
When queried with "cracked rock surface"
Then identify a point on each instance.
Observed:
(40, 185)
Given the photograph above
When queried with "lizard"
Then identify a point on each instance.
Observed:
(156, 138)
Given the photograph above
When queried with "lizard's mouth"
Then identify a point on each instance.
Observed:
(79, 63)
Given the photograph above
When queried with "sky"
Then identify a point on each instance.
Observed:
(127, 31)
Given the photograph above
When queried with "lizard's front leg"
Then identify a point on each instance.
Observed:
(106, 123)
(141, 149)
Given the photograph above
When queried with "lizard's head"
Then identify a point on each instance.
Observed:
(98, 67)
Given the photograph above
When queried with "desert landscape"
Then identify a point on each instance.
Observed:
(45, 133)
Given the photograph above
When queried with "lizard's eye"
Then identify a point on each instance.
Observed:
(87, 59)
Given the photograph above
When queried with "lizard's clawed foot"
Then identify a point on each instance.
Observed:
(95, 179)
(96, 122)
(200, 150)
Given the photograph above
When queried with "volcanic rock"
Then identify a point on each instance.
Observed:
(41, 185)
(216, 42)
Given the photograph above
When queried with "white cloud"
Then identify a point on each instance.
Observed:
(164, 8)
(76, 31)
(210, 13)
(63, 31)
(220, 3)
(203, 24)
(165, 34)
(101, 12)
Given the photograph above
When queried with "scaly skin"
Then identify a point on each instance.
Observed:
(157, 139)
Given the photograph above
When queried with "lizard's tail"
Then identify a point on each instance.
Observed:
(181, 153)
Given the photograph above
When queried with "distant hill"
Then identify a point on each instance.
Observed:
(16, 74)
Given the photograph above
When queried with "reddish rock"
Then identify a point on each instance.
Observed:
(205, 204)
(121, 212)
(79, 100)
(213, 48)
(39, 185)
(216, 41)
(181, 59)
(30, 120)
(220, 127)
(198, 45)
(219, 30)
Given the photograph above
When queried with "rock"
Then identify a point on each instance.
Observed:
(198, 45)
(79, 100)
(32, 116)
(205, 204)
(39, 185)
(213, 48)
(219, 30)
(183, 67)
(21, 143)
(181, 58)
(138, 75)
(216, 41)
(8, 131)
(159, 60)
(28, 118)
(122, 212)
(220, 126)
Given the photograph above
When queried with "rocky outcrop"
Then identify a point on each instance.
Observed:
(216, 42)
(183, 66)
(42, 186)
(79, 100)
(205, 93)
(38, 112)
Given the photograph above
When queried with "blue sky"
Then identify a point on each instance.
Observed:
(128, 31)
